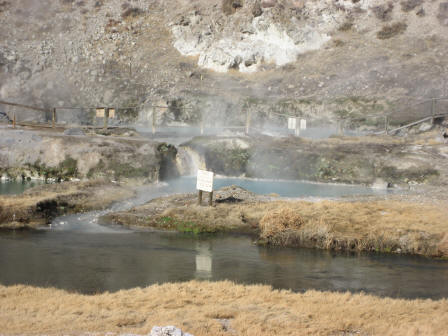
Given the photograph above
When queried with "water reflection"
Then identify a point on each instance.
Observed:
(204, 260)
(90, 263)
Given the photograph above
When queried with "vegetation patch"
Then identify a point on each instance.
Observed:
(227, 159)
(409, 5)
(383, 12)
(389, 31)
(346, 26)
(185, 226)
(65, 170)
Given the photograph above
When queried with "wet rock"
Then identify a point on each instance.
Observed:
(167, 331)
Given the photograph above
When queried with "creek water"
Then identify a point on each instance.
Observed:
(16, 187)
(78, 254)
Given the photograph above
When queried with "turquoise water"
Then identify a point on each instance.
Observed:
(281, 188)
(16, 187)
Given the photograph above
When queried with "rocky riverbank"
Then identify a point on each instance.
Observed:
(52, 154)
(218, 308)
(395, 224)
(38, 206)
(385, 160)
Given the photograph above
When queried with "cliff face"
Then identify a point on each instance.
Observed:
(314, 58)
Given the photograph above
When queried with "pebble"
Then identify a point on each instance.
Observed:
(167, 331)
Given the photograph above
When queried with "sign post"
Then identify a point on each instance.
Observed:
(53, 118)
(205, 183)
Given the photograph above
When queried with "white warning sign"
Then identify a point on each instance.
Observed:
(205, 181)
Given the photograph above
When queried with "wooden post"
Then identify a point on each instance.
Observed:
(210, 199)
(53, 119)
(247, 122)
(14, 120)
(202, 124)
(153, 120)
(386, 124)
(339, 127)
(433, 110)
(106, 118)
(199, 197)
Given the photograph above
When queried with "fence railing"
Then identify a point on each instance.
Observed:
(252, 121)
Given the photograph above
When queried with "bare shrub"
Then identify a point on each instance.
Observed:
(392, 30)
(4, 5)
(346, 26)
(408, 5)
(383, 12)
(280, 226)
(230, 6)
(132, 12)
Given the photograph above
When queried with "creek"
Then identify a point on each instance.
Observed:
(78, 254)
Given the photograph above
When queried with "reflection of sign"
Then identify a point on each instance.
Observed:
(302, 124)
(205, 181)
(292, 123)
(100, 113)
(112, 113)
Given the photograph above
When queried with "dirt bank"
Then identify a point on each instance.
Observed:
(397, 224)
(221, 308)
(39, 205)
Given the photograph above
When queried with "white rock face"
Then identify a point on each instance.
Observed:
(245, 48)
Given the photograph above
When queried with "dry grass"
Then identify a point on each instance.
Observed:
(386, 226)
(196, 307)
(278, 225)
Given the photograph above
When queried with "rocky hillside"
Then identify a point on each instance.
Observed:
(321, 59)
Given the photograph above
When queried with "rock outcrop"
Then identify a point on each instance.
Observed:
(326, 54)
(37, 155)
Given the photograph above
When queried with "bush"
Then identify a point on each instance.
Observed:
(383, 12)
(392, 30)
(346, 26)
(132, 12)
(230, 6)
(408, 5)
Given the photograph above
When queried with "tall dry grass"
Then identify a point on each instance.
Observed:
(387, 226)
(197, 307)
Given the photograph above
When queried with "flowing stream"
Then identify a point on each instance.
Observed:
(78, 254)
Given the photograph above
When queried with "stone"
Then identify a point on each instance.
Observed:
(167, 331)
(425, 127)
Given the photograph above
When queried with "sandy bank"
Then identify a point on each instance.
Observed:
(221, 308)
(39, 205)
(397, 225)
